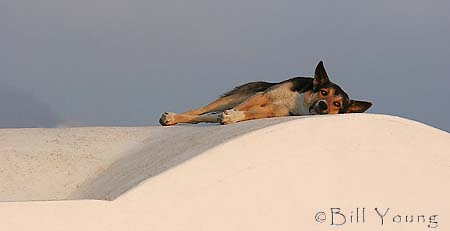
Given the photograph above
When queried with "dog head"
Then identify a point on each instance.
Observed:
(329, 98)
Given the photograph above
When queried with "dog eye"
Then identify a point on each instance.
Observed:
(324, 93)
(337, 104)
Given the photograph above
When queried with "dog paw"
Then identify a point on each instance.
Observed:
(231, 116)
(167, 119)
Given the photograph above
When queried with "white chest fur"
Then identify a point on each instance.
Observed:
(301, 107)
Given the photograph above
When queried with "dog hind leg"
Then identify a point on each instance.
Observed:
(198, 115)
(229, 100)
(219, 105)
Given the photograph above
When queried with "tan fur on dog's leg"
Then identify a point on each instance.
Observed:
(259, 99)
(266, 111)
(219, 105)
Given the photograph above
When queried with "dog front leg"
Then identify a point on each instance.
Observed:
(169, 118)
(255, 112)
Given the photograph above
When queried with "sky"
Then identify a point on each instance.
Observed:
(123, 63)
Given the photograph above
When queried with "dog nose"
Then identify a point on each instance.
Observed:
(323, 106)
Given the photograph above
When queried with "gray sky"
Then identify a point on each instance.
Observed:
(115, 62)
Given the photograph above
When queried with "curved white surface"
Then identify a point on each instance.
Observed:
(276, 178)
(100, 162)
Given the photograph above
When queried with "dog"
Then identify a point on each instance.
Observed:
(256, 100)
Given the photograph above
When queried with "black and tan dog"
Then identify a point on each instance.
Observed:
(256, 100)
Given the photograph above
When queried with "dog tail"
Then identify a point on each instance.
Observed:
(249, 88)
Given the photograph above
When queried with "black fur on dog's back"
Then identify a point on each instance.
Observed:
(300, 84)
(249, 88)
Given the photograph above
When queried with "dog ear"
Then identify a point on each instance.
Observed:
(320, 76)
(357, 106)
